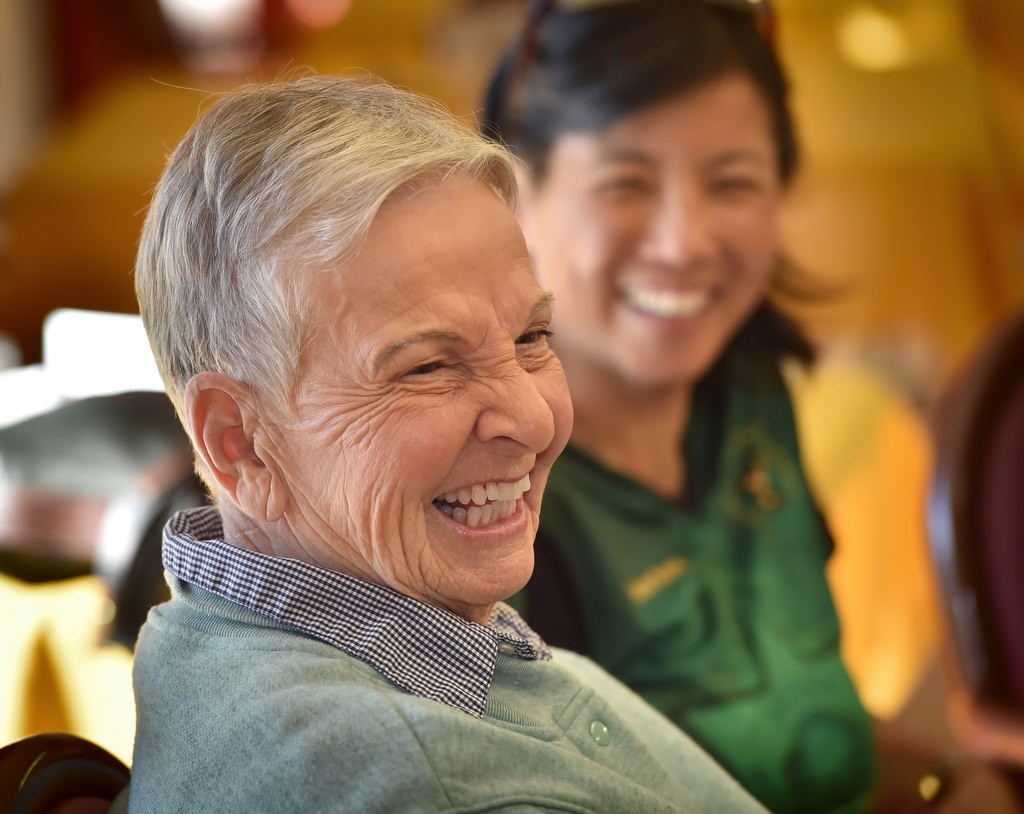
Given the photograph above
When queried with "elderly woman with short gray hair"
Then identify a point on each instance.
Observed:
(344, 313)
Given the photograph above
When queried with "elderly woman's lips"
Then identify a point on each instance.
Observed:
(483, 504)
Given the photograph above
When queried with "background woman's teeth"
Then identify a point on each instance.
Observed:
(479, 495)
(668, 303)
(492, 491)
(465, 497)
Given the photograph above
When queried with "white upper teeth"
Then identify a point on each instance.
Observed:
(668, 303)
(480, 493)
(483, 503)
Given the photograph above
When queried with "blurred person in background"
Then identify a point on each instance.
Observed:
(681, 546)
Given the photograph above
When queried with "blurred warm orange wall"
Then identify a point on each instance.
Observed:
(911, 200)
(911, 195)
(907, 198)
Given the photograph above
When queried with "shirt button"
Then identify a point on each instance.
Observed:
(506, 649)
(599, 732)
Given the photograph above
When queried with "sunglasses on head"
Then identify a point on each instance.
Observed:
(760, 9)
(761, 12)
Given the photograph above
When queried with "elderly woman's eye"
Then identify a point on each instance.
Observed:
(533, 337)
(427, 367)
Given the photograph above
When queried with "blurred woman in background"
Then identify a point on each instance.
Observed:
(680, 544)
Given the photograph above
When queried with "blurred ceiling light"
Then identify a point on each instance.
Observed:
(218, 35)
(901, 35)
(209, 14)
(873, 40)
(319, 13)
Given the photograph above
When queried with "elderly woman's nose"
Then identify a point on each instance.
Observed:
(515, 408)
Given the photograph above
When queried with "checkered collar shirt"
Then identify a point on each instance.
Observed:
(422, 649)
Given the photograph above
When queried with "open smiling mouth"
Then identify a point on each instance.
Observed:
(483, 504)
(671, 304)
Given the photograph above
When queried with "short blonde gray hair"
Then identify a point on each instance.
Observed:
(276, 179)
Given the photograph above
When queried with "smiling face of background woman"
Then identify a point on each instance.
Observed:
(659, 235)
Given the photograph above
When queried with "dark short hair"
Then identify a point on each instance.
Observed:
(584, 69)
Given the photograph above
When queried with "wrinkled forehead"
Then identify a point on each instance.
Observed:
(449, 256)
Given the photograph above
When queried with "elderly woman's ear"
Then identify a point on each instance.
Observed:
(222, 420)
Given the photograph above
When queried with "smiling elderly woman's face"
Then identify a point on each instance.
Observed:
(429, 407)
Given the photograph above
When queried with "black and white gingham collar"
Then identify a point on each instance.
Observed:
(422, 649)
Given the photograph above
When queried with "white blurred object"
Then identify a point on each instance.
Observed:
(210, 15)
(94, 353)
(85, 353)
(25, 392)
(218, 36)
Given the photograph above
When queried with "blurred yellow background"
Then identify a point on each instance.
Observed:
(910, 203)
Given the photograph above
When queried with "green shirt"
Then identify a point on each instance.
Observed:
(715, 608)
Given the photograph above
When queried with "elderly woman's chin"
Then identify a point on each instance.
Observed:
(484, 563)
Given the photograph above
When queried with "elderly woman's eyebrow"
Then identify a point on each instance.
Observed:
(544, 303)
(423, 336)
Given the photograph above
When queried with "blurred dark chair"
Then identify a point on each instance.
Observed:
(56, 773)
(86, 488)
(976, 529)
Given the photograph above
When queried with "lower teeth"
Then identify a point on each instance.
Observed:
(476, 516)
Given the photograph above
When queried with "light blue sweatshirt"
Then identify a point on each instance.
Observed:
(238, 714)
